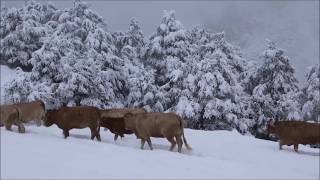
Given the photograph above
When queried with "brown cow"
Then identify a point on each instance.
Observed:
(67, 118)
(113, 120)
(9, 115)
(295, 132)
(120, 112)
(32, 111)
(164, 125)
(115, 125)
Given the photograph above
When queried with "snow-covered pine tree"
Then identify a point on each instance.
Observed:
(22, 31)
(76, 65)
(166, 52)
(212, 96)
(132, 38)
(311, 95)
(140, 84)
(130, 43)
(276, 92)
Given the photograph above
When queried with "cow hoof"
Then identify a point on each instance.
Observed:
(22, 131)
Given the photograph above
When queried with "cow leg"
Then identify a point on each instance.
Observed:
(115, 137)
(98, 136)
(142, 143)
(149, 143)
(65, 133)
(280, 145)
(179, 142)
(173, 143)
(295, 146)
(21, 127)
(95, 133)
(8, 126)
(92, 135)
(38, 122)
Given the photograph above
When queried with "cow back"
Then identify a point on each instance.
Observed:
(78, 117)
(120, 112)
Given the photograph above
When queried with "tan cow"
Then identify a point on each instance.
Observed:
(161, 125)
(9, 115)
(113, 120)
(32, 111)
(80, 117)
(295, 132)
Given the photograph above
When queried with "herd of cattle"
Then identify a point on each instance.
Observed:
(143, 124)
(119, 121)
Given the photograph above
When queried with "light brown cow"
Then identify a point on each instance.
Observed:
(162, 125)
(67, 118)
(32, 111)
(113, 120)
(295, 132)
(9, 115)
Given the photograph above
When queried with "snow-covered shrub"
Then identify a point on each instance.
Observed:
(22, 31)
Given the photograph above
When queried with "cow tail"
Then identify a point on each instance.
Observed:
(183, 137)
(43, 105)
(19, 113)
(99, 121)
(44, 115)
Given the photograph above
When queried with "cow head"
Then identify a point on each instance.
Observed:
(129, 121)
(50, 118)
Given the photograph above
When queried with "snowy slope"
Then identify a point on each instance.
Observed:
(43, 153)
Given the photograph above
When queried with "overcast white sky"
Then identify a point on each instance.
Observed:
(294, 25)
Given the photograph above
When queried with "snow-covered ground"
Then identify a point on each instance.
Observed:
(43, 153)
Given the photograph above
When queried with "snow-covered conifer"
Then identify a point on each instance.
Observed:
(311, 98)
(276, 92)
